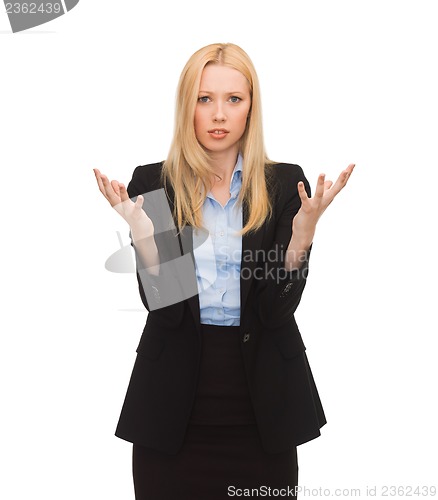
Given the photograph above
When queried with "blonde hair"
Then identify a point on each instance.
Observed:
(187, 166)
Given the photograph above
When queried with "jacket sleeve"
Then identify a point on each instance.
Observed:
(279, 292)
(137, 186)
(174, 282)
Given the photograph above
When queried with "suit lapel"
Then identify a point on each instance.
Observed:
(250, 242)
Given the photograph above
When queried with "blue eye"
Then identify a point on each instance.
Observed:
(203, 98)
(234, 98)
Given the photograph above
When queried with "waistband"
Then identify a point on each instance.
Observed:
(215, 329)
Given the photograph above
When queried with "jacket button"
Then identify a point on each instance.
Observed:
(286, 290)
(246, 337)
(156, 294)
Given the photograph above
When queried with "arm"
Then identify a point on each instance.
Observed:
(165, 275)
(304, 222)
(142, 228)
(280, 294)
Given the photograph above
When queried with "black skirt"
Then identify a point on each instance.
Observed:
(222, 453)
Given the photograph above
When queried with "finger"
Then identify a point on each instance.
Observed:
(123, 192)
(302, 192)
(327, 185)
(319, 191)
(106, 185)
(116, 186)
(139, 201)
(98, 176)
(343, 179)
(110, 194)
(347, 172)
(102, 182)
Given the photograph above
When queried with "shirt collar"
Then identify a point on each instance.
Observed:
(239, 166)
(236, 178)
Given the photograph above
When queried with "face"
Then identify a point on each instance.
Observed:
(222, 109)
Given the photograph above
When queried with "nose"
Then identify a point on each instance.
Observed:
(219, 113)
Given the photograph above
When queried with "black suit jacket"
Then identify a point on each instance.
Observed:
(162, 388)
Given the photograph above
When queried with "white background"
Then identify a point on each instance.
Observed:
(342, 81)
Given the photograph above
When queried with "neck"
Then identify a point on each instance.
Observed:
(223, 164)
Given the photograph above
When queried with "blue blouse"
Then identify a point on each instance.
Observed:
(217, 251)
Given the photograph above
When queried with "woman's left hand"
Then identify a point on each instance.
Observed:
(304, 222)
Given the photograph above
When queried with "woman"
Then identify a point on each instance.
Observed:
(221, 392)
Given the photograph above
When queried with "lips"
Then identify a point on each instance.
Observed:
(218, 133)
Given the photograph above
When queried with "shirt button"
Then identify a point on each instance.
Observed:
(221, 233)
(246, 337)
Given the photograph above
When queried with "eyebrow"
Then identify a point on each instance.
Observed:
(211, 92)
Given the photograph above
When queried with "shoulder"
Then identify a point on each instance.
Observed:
(145, 178)
(286, 170)
(150, 171)
(283, 178)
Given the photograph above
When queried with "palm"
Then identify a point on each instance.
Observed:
(117, 195)
(312, 208)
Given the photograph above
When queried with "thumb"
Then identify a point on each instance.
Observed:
(139, 201)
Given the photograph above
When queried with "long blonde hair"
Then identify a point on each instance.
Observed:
(187, 166)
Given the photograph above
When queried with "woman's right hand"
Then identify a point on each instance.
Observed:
(117, 195)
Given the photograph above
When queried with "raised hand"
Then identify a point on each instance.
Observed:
(117, 195)
(142, 227)
(304, 222)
